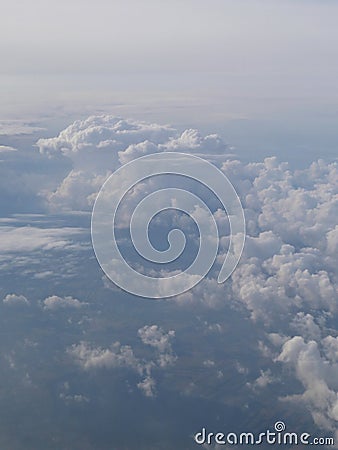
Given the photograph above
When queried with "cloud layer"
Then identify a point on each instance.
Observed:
(286, 281)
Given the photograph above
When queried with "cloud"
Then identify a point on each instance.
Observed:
(26, 239)
(193, 142)
(100, 144)
(69, 398)
(291, 223)
(54, 302)
(17, 127)
(265, 379)
(318, 374)
(14, 299)
(305, 325)
(103, 139)
(89, 357)
(291, 214)
(6, 148)
(21, 179)
(287, 278)
(157, 338)
(147, 386)
(76, 398)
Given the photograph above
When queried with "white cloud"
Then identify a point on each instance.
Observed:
(265, 379)
(100, 144)
(319, 375)
(14, 299)
(6, 149)
(89, 357)
(17, 127)
(29, 238)
(54, 302)
(287, 277)
(208, 363)
(330, 348)
(193, 142)
(156, 337)
(147, 386)
(305, 325)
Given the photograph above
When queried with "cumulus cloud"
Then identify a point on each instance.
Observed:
(291, 218)
(90, 357)
(289, 257)
(147, 386)
(265, 379)
(14, 299)
(305, 325)
(318, 373)
(54, 302)
(287, 277)
(193, 142)
(100, 144)
(157, 338)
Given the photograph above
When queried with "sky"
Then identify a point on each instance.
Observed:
(254, 36)
(86, 88)
(261, 73)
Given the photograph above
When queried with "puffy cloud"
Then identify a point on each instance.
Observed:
(208, 363)
(265, 378)
(156, 337)
(305, 325)
(76, 191)
(54, 302)
(89, 357)
(287, 277)
(99, 135)
(193, 142)
(290, 261)
(14, 299)
(289, 256)
(100, 144)
(319, 375)
(330, 348)
(147, 386)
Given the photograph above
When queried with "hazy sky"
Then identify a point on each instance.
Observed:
(264, 73)
(220, 35)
